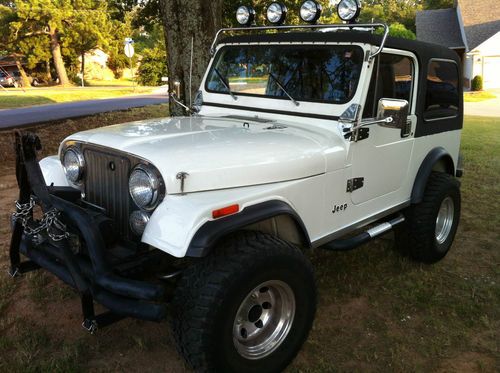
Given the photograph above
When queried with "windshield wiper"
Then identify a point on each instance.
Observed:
(283, 89)
(226, 84)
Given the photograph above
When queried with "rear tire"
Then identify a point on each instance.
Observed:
(248, 307)
(430, 226)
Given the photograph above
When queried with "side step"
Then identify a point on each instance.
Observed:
(364, 237)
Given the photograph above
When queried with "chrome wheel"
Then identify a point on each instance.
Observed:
(264, 319)
(444, 219)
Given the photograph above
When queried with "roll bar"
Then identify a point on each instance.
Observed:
(369, 26)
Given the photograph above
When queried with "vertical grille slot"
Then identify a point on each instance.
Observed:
(106, 185)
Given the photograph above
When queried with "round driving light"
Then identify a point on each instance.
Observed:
(73, 164)
(143, 186)
(245, 15)
(310, 11)
(138, 221)
(348, 10)
(276, 13)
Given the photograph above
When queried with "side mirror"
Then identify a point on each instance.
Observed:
(395, 109)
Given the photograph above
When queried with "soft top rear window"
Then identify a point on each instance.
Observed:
(327, 73)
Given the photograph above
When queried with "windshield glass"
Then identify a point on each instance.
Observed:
(304, 72)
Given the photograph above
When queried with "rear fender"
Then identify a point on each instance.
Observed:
(439, 160)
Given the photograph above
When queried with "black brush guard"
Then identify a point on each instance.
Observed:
(93, 277)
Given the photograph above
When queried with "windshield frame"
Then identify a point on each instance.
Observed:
(220, 50)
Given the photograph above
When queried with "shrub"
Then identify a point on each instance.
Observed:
(153, 66)
(477, 83)
(398, 30)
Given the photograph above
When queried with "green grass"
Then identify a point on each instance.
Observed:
(478, 96)
(42, 96)
(378, 311)
(123, 82)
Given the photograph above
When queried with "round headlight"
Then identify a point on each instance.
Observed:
(348, 10)
(245, 15)
(276, 13)
(138, 221)
(144, 187)
(73, 164)
(310, 11)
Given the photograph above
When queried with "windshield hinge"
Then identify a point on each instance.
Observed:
(357, 135)
(355, 183)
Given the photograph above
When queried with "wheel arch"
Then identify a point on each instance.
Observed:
(438, 159)
(267, 216)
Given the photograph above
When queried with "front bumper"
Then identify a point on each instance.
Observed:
(92, 270)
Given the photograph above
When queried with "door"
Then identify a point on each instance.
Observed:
(382, 158)
(491, 77)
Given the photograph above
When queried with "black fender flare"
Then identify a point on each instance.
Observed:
(209, 233)
(434, 156)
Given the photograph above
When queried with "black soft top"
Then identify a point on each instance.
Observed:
(423, 51)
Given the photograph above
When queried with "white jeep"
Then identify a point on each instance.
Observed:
(325, 138)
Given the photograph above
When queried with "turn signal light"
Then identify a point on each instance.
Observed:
(233, 209)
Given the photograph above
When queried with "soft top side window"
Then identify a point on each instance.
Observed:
(395, 80)
(441, 95)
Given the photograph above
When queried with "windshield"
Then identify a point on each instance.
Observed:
(303, 72)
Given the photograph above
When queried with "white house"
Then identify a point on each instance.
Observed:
(472, 29)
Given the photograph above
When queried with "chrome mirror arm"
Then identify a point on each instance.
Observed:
(174, 98)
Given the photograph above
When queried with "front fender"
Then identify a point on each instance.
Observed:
(53, 172)
(183, 224)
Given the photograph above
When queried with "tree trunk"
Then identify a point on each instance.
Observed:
(25, 82)
(83, 69)
(184, 22)
(55, 48)
(48, 75)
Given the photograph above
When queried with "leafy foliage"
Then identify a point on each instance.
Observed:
(477, 83)
(398, 30)
(153, 66)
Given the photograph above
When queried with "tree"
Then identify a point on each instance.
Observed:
(189, 25)
(90, 29)
(398, 30)
(44, 17)
(153, 66)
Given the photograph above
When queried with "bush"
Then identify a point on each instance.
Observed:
(477, 83)
(153, 66)
(398, 30)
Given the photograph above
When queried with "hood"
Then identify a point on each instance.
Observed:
(217, 153)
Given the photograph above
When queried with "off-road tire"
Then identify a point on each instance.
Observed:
(211, 291)
(416, 237)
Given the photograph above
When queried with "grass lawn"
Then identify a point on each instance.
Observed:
(478, 96)
(378, 311)
(39, 96)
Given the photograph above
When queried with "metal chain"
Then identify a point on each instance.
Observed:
(48, 222)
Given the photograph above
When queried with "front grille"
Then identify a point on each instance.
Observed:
(106, 185)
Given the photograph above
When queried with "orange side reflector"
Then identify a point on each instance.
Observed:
(225, 211)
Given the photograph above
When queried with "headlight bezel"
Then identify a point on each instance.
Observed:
(81, 164)
(155, 183)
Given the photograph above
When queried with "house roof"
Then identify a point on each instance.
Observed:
(440, 26)
(481, 20)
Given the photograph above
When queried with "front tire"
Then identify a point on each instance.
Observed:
(248, 307)
(430, 226)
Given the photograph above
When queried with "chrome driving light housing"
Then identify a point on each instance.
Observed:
(245, 15)
(310, 11)
(144, 186)
(73, 164)
(276, 13)
(138, 221)
(348, 10)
